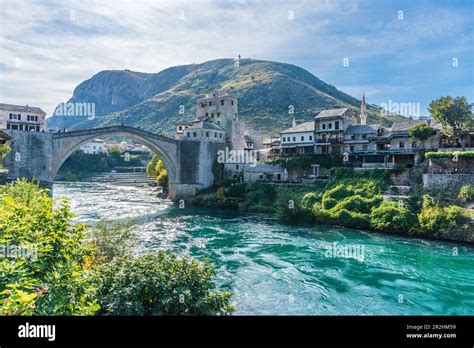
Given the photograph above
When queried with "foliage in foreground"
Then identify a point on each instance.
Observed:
(76, 273)
(54, 279)
(159, 284)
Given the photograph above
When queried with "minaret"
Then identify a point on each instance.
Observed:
(363, 111)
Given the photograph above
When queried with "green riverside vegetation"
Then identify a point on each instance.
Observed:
(67, 269)
(351, 200)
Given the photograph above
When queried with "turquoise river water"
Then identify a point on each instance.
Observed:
(278, 269)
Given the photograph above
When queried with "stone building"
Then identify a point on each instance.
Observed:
(216, 119)
(24, 118)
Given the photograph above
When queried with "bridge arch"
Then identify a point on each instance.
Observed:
(64, 144)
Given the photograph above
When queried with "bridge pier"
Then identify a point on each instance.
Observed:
(177, 192)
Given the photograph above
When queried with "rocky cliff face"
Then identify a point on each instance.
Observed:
(266, 92)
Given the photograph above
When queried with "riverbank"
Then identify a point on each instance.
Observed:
(356, 201)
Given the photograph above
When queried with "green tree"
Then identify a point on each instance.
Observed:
(161, 174)
(455, 115)
(159, 284)
(51, 276)
(4, 149)
(151, 167)
(466, 193)
(421, 132)
(392, 217)
(156, 170)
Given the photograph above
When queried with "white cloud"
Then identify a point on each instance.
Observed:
(49, 47)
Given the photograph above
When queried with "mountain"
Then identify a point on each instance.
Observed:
(265, 91)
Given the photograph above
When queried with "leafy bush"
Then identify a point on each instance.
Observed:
(221, 199)
(159, 284)
(359, 204)
(289, 207)
(390, 217)
(328, 202)
(56, 281)
(259, 194)
(113, 240)
(310, 199)
(348, 218)
(4, 149)
(466, 193)
(451, 154)
(236, 190)
(437, 221)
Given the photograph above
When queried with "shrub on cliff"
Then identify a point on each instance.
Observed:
(352, 219)
(359, 204)
(289, 207)
(466, 193)
(390, 217)
(436, 220)
(310, 199)
(259, 194)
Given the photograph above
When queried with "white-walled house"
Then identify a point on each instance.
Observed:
(94, 147)
(298, 140)
(24, 118)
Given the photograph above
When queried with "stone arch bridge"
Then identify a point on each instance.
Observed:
(39, 156)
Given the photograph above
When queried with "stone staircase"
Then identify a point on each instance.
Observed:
(132, 179)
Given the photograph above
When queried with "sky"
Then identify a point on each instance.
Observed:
(396, 52)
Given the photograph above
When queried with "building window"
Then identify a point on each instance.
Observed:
(294, 138)
(194, 134)
(324, 125)
(310, 138)
(188, 135)
(237, 167)
(212, 115)
(203, 105)
(231, 102)
(351, 148)
(302, 138)
(353, 137)
(222, 101)
(207, 114)
(218, 114)
(401, 145)
(336, 125)
(330, 126)
(220, 135)
(207, 134)
(210, 103)
(180, 128)
(215, 134)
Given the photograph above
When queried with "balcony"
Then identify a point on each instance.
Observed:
(330, 141)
